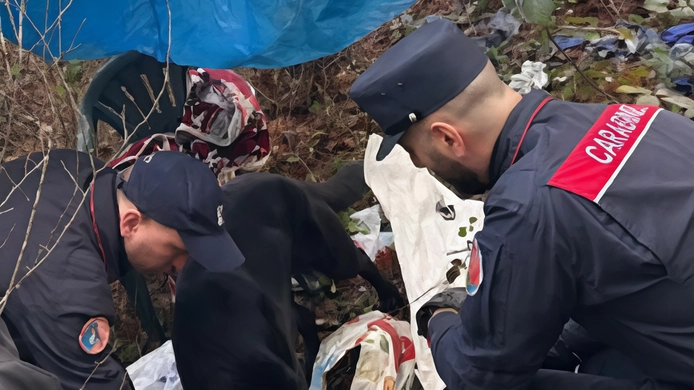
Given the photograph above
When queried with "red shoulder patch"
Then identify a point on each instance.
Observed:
(475, 273)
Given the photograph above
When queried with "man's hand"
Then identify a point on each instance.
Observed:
(448, 300)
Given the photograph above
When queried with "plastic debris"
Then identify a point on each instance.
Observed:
(385, 359)
(495, 30)
(532, 76)
(684, 33)
(565, 42)
(634, 39)
(369, 220)
(156, 370)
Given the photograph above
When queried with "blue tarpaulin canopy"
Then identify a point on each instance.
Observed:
(205, 33)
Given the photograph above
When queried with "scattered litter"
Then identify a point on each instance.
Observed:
(370, 221)
(684, 33)
(565, 42)
(494, 31)
(426, 218)
(156, 370)
(531, 76)
(684, 85)
(633, 39)
(376, 348)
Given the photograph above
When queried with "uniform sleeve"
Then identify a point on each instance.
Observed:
(504, 331)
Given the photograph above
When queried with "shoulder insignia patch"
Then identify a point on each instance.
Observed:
(475, 273)
(94, 336)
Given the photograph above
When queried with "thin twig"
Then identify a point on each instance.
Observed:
(590, 28)
(99, 363)
(592, 83)
(3, 302)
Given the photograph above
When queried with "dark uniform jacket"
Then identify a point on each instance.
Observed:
(237, 330)
(70, 285)
(595, 222)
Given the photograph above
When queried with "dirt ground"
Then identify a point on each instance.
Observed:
(315, 128)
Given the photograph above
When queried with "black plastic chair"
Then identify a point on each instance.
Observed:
(125, 79)
(133, 80)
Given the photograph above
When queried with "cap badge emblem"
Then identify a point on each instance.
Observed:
(413, 117)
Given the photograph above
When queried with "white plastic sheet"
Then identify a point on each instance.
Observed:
(385, 359)
(426, 218)
(156, 370)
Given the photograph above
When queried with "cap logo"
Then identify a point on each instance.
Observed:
(220, 218)
(413, 117)
(147, 158)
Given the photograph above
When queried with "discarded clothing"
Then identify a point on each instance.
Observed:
(531, 77)
(683, 33)
(223, 126)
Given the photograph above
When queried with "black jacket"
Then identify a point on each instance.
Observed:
(70, 285)
(606, 240)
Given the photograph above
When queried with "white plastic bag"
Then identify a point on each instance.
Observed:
(385, 359)
(426, 218)
(370, 220)
(156, 370)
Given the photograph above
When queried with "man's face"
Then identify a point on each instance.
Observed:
(152, 247)
(426, 153)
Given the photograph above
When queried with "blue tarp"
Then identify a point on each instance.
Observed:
(205, 33)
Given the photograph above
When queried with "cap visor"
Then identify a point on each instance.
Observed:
(387, 145)
(217, 253)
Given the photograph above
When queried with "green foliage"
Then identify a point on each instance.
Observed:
(532, 11)
(347, 222)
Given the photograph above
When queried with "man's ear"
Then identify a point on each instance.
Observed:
(450, 136)
(129, 222)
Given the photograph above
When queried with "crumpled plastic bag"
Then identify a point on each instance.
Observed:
(501, 27)
(426, 218)
(375, 240)
(156, 370)
(532, 76)
(386, 359)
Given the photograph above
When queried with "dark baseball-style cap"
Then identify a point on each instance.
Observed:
(417, 76)
(182, 193)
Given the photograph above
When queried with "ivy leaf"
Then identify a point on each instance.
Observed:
(462, 232)
(538, 11)
(473, 219)
(471, 228)
(636, 19)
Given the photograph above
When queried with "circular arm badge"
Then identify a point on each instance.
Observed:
(94, 336)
